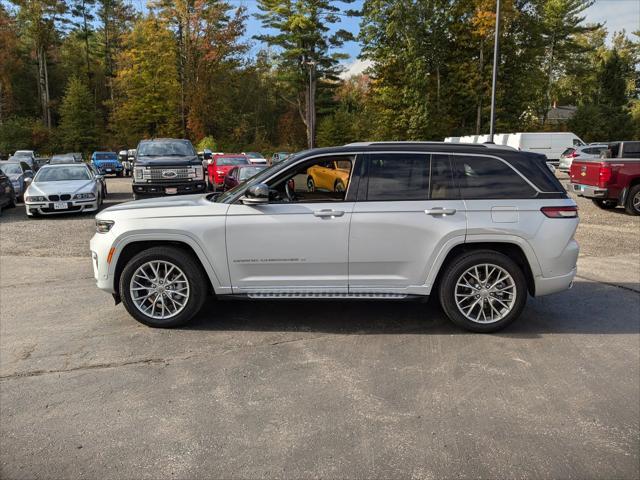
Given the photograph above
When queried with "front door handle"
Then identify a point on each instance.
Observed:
(440, 211)
(328, 213)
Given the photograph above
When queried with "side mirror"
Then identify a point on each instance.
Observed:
(28, 180)
(256, 195)
(28, 173)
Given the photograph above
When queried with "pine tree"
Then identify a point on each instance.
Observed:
(77, 117)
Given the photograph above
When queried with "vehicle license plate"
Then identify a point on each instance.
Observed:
(108, 169)
(171, 191)
(60, 206)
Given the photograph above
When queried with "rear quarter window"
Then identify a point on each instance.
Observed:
(489, 178)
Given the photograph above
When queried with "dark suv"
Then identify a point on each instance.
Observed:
(166, 166)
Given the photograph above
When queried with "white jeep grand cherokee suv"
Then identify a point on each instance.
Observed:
(480, 226)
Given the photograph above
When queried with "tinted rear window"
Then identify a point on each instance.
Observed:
(631, 150)
(484, 177)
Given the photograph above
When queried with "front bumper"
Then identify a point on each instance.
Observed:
(589, 191)
(108, 170)
(100, 245)
(72, 206)
(161, 189)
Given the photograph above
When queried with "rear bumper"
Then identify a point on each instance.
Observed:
(548, 285)
(589, 191)
(160, 189)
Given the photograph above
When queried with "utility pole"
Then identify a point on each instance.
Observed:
(311, 101)
(496, 54)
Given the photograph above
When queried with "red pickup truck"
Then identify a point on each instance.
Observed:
(613, 179)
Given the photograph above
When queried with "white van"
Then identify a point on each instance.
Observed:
(551, 144)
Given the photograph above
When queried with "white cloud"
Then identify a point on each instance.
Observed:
(355, 68)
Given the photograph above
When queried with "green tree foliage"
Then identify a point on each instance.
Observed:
(306, 49)
(146, 87)
(77, 117)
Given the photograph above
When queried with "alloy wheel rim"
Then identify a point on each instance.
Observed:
(310, 185)
(339, 187)
(485, 293)
(636, 201)
(159, 289)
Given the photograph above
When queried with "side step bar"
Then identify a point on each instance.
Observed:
(389, 296)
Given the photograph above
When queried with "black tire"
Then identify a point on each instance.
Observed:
(12, 202)
(604, 204)
(185, 262)
(118, 174)
(456, 269)
(338, 187)
(632, 206)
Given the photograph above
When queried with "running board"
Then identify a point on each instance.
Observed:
(390, 296)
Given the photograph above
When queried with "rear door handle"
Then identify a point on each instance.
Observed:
(328, 213)
(440, 211)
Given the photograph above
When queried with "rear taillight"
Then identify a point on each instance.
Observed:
(573, 155)
(560, 212)
(604, 175)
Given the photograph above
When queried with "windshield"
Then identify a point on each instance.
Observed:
(258, 178)
(226, 161)
(175, 148)
(106, 156)
(22, 153)
(254, 155)
(62, 159)
(61, 174)
(11, 169)
(248, 172)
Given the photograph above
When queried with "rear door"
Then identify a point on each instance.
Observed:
(408, 209)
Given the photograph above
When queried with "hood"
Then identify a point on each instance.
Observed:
(169, 161)
(56, 188)
(169, 206)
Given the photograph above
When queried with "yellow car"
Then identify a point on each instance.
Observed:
(331, 176)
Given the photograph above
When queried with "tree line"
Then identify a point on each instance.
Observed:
(79, 75)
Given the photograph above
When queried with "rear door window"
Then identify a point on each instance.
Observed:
(489, 178)
(398, 176)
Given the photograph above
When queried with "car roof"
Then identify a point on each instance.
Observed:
(59, 165)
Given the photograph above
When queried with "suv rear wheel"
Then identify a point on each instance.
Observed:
(483, 291)
(163, 287)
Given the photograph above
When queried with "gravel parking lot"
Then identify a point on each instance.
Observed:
(314, 389)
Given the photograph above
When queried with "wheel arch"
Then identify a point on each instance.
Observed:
(133, 246)
(511, 249)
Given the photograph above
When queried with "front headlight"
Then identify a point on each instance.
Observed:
(35, 199)
(84, 196)
(196, 172)
(138, 173)
(103, 226)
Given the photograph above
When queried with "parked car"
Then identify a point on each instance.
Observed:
(8, 197)
(612, 180)
(101, 178)
(107, 162)
(588, 152)
(240, 174)
(478, 226)
(279, 156)
(331, 176)
(167, 166)
(255, 158)
(127, 163)
(62, 189)
(220, 166)
(19, 173)
(39, 162)
(63, 158)
(27, 156)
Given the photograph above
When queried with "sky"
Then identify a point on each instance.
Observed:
(614, 14)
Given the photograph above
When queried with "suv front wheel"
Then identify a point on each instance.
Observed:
(483, 291)
(163, 287)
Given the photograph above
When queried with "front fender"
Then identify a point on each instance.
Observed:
(179, 237)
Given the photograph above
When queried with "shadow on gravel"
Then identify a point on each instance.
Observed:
(588, 308)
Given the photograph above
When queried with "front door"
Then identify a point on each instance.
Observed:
(297, 243)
